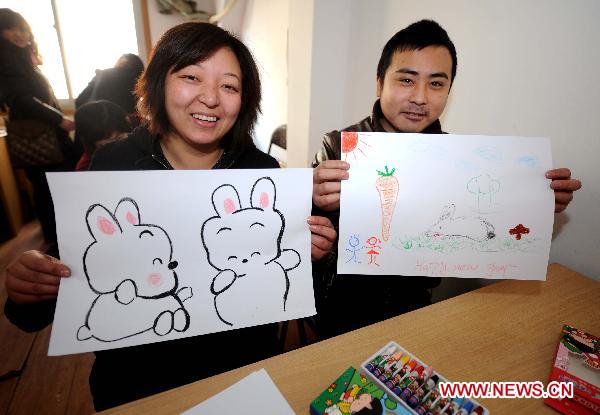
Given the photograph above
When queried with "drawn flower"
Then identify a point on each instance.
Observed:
(328, 402)
(518, 231)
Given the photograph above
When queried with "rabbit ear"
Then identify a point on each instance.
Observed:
(225, 200)
(448, 212)
(101, 223)
(263, 194)
(127, 212)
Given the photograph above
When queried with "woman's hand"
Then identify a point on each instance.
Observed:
(322, 236)
(34, 277)
(67, 125)
(563, 187)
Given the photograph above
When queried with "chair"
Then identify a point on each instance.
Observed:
(278, 144)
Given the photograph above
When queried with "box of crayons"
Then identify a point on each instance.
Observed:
(414, 385)
(577, 361)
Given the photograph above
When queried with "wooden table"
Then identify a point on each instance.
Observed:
(507, 331)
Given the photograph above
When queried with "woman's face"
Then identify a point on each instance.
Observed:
(18, 35)
(203, 100)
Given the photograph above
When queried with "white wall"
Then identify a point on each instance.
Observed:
(524, 68)
(262, 25)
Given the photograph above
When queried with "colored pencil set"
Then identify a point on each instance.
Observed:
(414, 384)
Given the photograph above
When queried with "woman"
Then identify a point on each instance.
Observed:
(201, 96)
(29, 96)
(115, 84)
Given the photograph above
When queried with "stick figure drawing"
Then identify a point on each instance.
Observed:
(244, 246)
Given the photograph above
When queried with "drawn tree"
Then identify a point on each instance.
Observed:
(483, 187)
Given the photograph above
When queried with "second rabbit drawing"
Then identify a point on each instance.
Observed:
(244, 246)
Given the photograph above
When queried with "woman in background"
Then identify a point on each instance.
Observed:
(29, 96)
(117, 85)
(98, 123)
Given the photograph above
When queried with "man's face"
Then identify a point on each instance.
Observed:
(415, 89)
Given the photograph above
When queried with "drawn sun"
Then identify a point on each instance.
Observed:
(352, 145)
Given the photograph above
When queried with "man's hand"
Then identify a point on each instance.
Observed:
(322, 236)
(563, 187)
(34, 277)
(327, 178)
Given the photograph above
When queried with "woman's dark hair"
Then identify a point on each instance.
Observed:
(417, 36)
(97, 120)
(132, 63)
(10, 19)
(187, 44)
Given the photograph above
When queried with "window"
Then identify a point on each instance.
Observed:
(93, 33)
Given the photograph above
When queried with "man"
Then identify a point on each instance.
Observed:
(414, 76)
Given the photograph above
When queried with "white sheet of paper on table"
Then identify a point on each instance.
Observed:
(455, 206)
(256, 394)
(119, 256)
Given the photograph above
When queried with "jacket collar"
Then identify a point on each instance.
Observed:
(377, 114)
(153, 154)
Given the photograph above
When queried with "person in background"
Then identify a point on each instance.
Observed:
(117, 85)
(98, 123)
(415, 73)
(200, 98)
(29, 96)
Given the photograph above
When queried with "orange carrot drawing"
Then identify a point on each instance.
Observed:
(387, 186)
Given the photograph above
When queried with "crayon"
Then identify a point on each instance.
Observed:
(401, 363)
(375, 362)
(477, 411)
(399, 375)
(386, 364)
(411, 378)
(422, 391)
(466, 407)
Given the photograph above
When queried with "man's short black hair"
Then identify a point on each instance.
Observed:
(417, 36)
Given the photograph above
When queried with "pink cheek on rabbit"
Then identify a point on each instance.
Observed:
(155, 279)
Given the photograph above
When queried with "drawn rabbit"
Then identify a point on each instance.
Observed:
(139, 293)
(244, 245)
(471, 227)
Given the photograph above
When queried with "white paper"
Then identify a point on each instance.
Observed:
(448, 208)
(140, 273)
(256, 394)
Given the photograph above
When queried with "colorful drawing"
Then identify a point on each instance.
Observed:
(352, 145)
(372, 245)
(244, 245)
(388, 188)
(483, 187)
(469, 227)
(518, 230)
(354, 243)
(143, 282)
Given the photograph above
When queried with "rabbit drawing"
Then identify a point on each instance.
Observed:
(471, 227)
(130, 267)
(244, 246)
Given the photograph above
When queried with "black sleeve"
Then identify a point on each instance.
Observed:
(30, 317)
(37, 109)
(86, 94)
